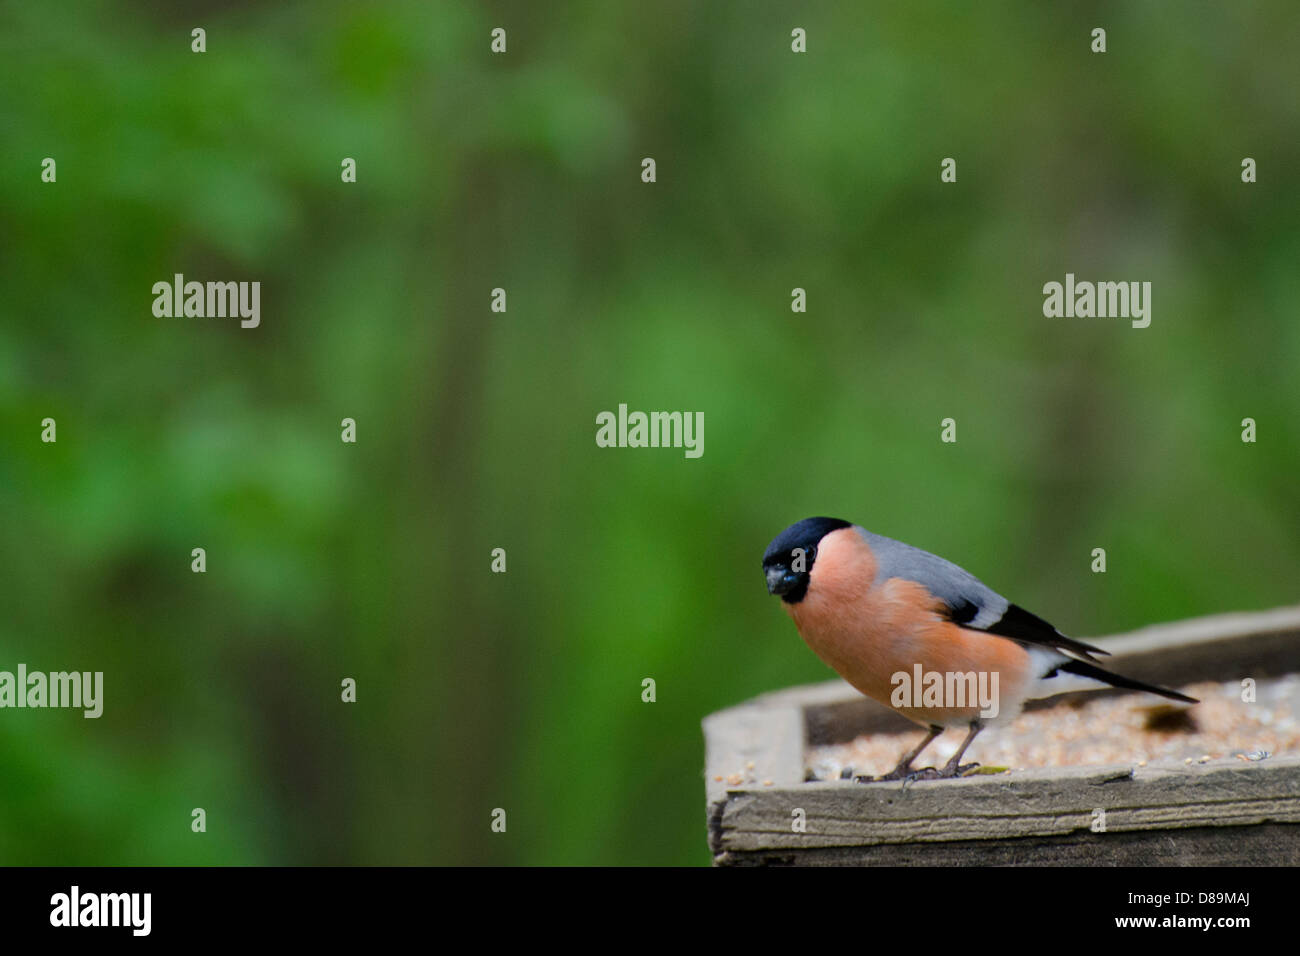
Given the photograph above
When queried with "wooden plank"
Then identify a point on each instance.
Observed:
(1269, 844)
(1035, 803)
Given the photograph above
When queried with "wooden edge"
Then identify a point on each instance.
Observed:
(1213, 627)
(1268, 844)
(1036, 803)
(751, 743)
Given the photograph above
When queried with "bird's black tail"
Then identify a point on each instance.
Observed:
(1084, 669)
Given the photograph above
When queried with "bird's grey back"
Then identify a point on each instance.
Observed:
(971, 601)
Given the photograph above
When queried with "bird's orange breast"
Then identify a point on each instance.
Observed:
(869, 632)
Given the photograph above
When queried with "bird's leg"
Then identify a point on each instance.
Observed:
(954, 767)
(904, 768)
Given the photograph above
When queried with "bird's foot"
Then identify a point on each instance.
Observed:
(908, 775)
(905, 774)
(926, 773)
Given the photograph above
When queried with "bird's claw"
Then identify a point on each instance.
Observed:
(926, 773)
(907, 775)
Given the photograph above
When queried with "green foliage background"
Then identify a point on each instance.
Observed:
(476, 430)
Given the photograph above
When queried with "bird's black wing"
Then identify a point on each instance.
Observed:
(1019, 625)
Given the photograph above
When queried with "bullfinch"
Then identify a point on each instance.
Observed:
(883, 613)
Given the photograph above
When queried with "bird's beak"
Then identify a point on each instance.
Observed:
(776, 583)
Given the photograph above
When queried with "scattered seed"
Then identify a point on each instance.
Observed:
(1093, 731)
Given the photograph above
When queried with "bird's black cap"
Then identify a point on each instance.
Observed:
(802, 534)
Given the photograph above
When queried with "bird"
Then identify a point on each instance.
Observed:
(882, 613)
